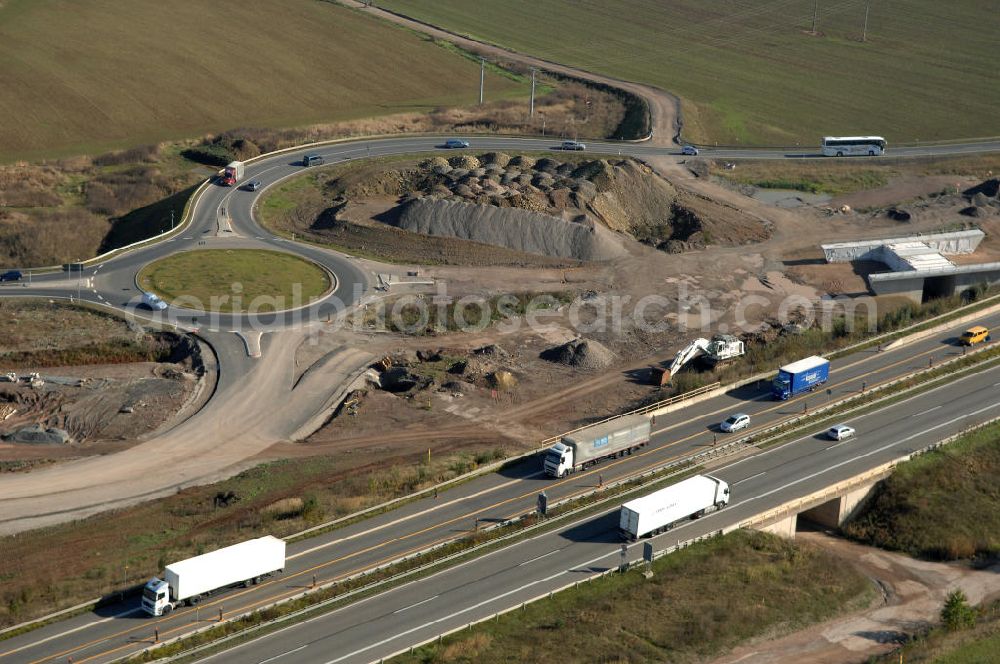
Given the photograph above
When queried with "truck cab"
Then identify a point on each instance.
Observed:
(558, 460)
(156, 597)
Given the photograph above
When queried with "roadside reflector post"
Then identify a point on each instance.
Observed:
(314, 581)
(930, 361)
(805, 406)
(623, 566)
(647, 555)
(220, 614)
(156, 635)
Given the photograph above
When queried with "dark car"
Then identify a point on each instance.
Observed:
(11, 275)
(312, 160)
(253, 185)
(456, 143)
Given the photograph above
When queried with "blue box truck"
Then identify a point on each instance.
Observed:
(798, 377)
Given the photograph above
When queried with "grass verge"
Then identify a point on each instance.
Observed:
(842, 177)
(235, 280)
(701, 601)
(943, 505)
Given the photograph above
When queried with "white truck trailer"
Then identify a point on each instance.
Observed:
(233, 173)
(590, 445)
(189, 580)
(659, 511)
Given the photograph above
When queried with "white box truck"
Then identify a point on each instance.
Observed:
(233, 173)
(659, 511)
(189, 580)
(590, 445)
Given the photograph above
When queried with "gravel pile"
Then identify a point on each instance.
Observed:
(580, 353)
(523, 230)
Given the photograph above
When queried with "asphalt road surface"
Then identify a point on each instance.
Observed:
(418, 611)
(120, 629)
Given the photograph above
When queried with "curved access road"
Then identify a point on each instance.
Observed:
(121, 630)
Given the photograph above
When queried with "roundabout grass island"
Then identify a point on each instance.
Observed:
(235, 280)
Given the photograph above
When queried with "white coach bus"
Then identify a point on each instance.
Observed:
(847, 146)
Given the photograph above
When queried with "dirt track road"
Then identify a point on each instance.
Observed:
(914, 591)
(663, 106)
(257, 403)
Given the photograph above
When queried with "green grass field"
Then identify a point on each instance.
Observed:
(749, 72)
(701, 601)
(235, 280)
(84, 77)
(944, 505)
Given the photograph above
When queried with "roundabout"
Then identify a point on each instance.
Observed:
(236, 280)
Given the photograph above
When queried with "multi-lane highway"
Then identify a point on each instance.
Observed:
(419, 611)
(120, 629)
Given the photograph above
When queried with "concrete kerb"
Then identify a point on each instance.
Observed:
(923, 334)
(687, 399)
(877, 473)
(416, 570)
(491, 468)
(548, 595)
(482, 470)
(773, 514)
(724, 450)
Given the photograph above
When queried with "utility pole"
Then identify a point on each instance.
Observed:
(815, 10)
(864, 31)
(531, 111)
(482, 78)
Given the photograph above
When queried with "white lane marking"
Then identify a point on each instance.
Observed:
(72, 631)
(926, 411)
(836, 444)
(772, 450)
(749, 478)
(469, 608)
(411, 606)
(401, 520)
(872, 452)
(289, 652)
(544, 555)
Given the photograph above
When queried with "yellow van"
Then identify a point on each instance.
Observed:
(974, 335)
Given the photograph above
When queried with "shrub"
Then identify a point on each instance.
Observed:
(956, 613)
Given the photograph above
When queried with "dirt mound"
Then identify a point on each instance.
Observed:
(580, 353)
(531, 232)
(501, 159)
(466, 161)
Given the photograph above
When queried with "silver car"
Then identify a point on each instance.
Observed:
(840, 432)
(689, 150)
(573, 145)
(735, 422)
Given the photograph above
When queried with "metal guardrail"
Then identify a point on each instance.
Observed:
(708, 454)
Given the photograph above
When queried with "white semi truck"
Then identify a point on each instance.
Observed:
(590, 445)
(187, 581)
(659, 511)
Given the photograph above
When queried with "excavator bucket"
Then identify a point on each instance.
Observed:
(659, 376)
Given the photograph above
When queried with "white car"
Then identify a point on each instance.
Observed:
(735, 422)
(573, 145)
(840, 432)
(153, 302)
(689, 150)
